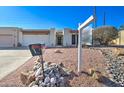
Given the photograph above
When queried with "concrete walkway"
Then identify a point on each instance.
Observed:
(11, 59)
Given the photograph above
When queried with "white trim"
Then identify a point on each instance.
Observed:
(86, 23)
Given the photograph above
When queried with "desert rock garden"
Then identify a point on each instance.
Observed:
(55, 75)
(115, 65)
(101, 67)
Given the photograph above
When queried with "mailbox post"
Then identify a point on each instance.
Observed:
(36, 50)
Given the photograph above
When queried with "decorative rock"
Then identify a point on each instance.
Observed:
(32, 84)
(58, 51)
(31, 78)
(24, 77)
(46, 80)
(61, 65)
(54, 75)
(53, 81)
(27, 77)
(42, 84)
(48, 85)
(91, 71)
(35, 86)
(62, 81)
(39, 78)
(37, 66)
(46, 65)
(115, 64)
(66, 71)
(57, 75)
(38, 72)
(62, 85)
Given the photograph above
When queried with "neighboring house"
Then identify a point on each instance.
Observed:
(13, 37)
(120, 39)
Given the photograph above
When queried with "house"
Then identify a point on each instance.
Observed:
(120, 39)
(14, 37)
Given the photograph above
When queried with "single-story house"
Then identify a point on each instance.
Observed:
(120, 39)
(14, 37)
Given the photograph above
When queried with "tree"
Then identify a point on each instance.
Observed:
(105, 34)
(121, 27)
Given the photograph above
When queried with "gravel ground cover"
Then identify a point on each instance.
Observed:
(115, 66)
(92, 58)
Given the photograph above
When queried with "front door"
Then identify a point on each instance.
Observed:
(59, 40)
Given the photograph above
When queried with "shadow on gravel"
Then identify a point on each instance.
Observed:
(71, 78)
(104, 80)
(86, 73)
(108, 82)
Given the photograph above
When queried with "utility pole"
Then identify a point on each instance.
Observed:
(94, 14)
(104, 19)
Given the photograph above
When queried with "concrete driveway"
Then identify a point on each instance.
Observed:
(11, 59)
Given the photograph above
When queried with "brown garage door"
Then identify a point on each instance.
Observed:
(6, 41)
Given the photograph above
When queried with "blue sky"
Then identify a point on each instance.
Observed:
(45, 17)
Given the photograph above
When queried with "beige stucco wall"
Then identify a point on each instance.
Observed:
(121, 37)
(67, 37)
(18, 36)
(13, 32)
(52, 37)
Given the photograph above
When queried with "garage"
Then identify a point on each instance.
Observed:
(9, 36)
(32, 39)
(35, 36)
(6, 40)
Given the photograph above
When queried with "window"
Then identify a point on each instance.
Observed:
(73, 39)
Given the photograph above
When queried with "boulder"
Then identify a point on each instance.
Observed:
(36, 66)
(31, 78)
(38, 72)
(97, 75)
(32, 84)
(35, 86)
(121, 51)
(24, 77)
(58, 51)
(62, 81)
(53, 81)
(91, 71)
(27, 77)
(47, 80)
